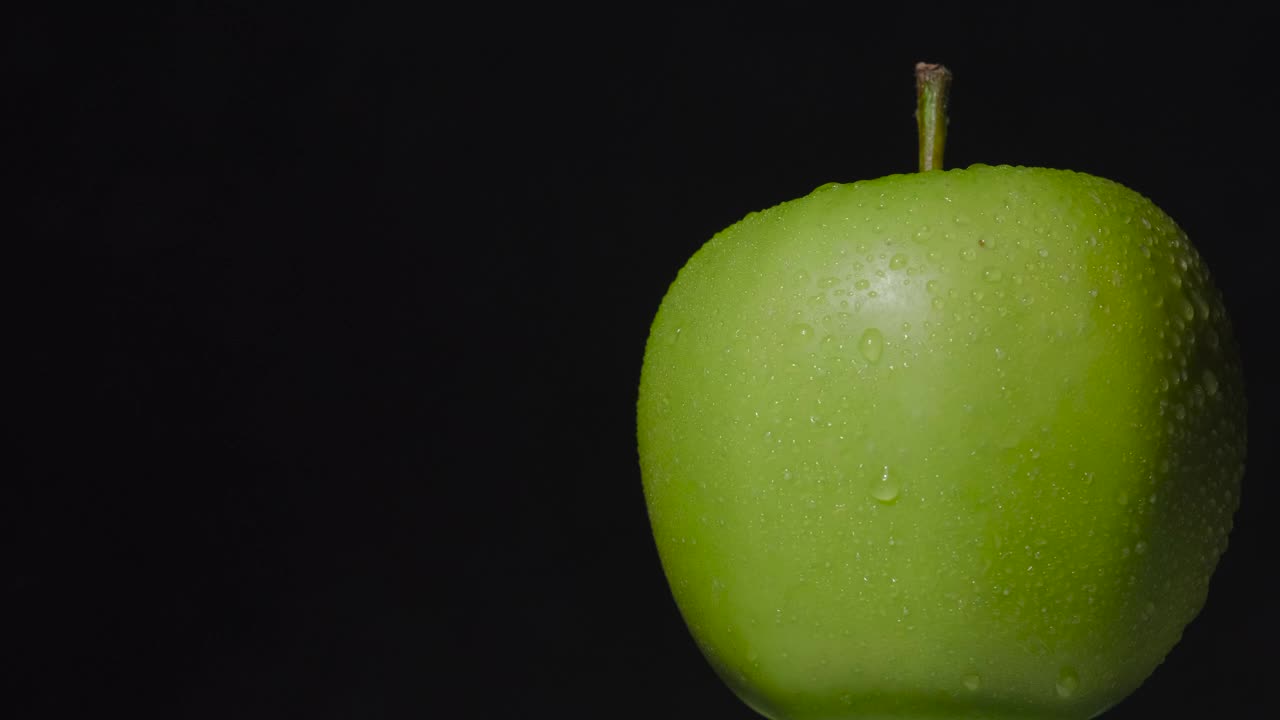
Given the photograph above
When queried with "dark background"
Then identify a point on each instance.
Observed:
(329, 324)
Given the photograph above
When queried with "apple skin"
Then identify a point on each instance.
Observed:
(948, 444)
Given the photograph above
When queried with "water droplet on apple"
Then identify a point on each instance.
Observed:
(992, 274)
(898, 262)
(1188, 310)
(1212, 337)
(1140, 548)
(871, 345)
(1068, 682)
(972, 681)
(801, 332)
(1210, 383)
(968, 253)
(931, 287)
(885, 489)
(861, 284)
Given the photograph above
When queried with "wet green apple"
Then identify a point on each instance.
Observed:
(949, 444)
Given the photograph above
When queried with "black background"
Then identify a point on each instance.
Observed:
(329, 323)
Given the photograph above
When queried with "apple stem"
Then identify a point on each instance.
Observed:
(933, 82)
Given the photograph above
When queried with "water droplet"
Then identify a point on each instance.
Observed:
(801, 332)
(1202, 307)
(898, 262)
(1140, 548)
(871, 345)
(1188, 310)
(992, 274)
(1068, 682)
(931, 287)
(885, 488)
(968, 253)
(861, 284)
(972, 681)
(1210, 383)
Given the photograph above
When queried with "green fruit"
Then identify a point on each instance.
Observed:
(947, 444)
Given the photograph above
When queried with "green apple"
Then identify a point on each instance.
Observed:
(958, 443)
